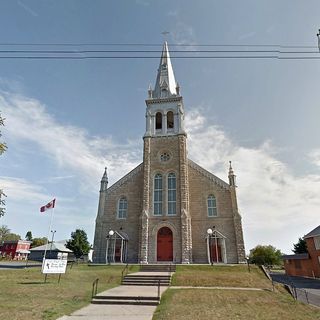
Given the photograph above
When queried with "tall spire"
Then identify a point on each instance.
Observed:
(104, 181)
(232, 176)
(166, 85)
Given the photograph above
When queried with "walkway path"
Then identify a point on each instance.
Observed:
(120, 312)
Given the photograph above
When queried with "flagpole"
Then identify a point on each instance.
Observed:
(45, 250)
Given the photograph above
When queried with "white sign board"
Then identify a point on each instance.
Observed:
(54, 266)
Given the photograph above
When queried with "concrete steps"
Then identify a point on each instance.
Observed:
(146, 280)
(126, 300)
(158, 268)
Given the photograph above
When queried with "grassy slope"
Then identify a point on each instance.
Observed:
(24, 295)
(199, 304)
(220, 276)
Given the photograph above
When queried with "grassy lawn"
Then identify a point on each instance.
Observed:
(24, 295)
(199, 304)
(220, 276)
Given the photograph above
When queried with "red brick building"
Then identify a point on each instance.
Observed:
(15, 249)
(305, 264)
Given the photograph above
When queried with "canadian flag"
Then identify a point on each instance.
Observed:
(48, 206)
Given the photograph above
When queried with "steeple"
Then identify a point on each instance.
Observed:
(166, 85)
(104, 181)
(165, 111)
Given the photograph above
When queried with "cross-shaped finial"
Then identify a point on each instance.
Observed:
(165, 33)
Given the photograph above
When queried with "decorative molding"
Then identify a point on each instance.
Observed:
(209, 175)
(126, 178)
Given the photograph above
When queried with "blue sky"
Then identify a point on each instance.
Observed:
(68, 119)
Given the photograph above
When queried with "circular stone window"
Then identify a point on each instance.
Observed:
(164, 157)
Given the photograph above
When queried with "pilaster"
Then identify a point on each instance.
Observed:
(145, 202)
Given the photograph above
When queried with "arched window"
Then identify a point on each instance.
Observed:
(157, 195)
(212, 206)
(172, 197)
(158, 121)
(122, 208)
(170, 120)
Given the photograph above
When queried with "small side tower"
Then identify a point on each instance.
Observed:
(236, 216)
(99, 240)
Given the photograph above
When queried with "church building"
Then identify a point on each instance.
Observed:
(168, 208)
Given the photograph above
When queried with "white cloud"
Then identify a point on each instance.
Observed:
(277, 205)
(314, 156)
(69, 146)
(22, 190)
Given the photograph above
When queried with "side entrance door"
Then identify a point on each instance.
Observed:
(165, 245)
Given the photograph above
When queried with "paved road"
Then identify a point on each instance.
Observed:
(305, 289)
(18, 264)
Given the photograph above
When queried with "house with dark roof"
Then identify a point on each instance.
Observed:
(54, 250)
(305, 264)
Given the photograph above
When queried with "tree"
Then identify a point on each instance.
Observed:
(29, 236)
(4, 231)
(11, 237)
(300, 246)
(36, 242)
(78, 243)
(265, 255)
(3, 148)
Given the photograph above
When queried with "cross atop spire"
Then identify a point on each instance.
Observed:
(166, 85)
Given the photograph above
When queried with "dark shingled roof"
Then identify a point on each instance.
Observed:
(296, 256)
(315, 232)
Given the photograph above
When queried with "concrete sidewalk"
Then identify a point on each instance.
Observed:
(120, 312)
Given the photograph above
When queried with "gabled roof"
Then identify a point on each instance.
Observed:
(124, 179)
(315, 232)
(56, 246)
(209, 175)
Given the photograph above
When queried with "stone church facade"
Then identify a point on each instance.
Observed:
(168, 208)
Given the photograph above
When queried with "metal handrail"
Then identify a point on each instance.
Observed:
(159, 289)
(95, 287)
(123, 271)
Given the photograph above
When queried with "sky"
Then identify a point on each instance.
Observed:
(66, 119)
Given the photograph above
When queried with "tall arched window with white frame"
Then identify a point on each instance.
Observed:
(157, 195)
(172, 193)
(212, 206)
(122, 208)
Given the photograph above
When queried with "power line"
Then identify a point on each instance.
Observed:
(156, 51)
(156, 45)
(157, 57)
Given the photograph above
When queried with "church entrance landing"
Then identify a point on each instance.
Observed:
(165, 245)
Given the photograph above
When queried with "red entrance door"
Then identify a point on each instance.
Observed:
(165, 245)
(215, 251)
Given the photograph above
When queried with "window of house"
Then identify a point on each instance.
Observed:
(170, 121)
(212, 206)
(158, 121)
(172, 194)
(157, 195)
(122, 208)
(317, 242)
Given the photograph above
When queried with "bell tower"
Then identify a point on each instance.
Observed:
(165, 168)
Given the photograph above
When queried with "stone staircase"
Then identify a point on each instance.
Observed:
(126, 300)
(140, 288)
(158, 268)
(146, 280)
